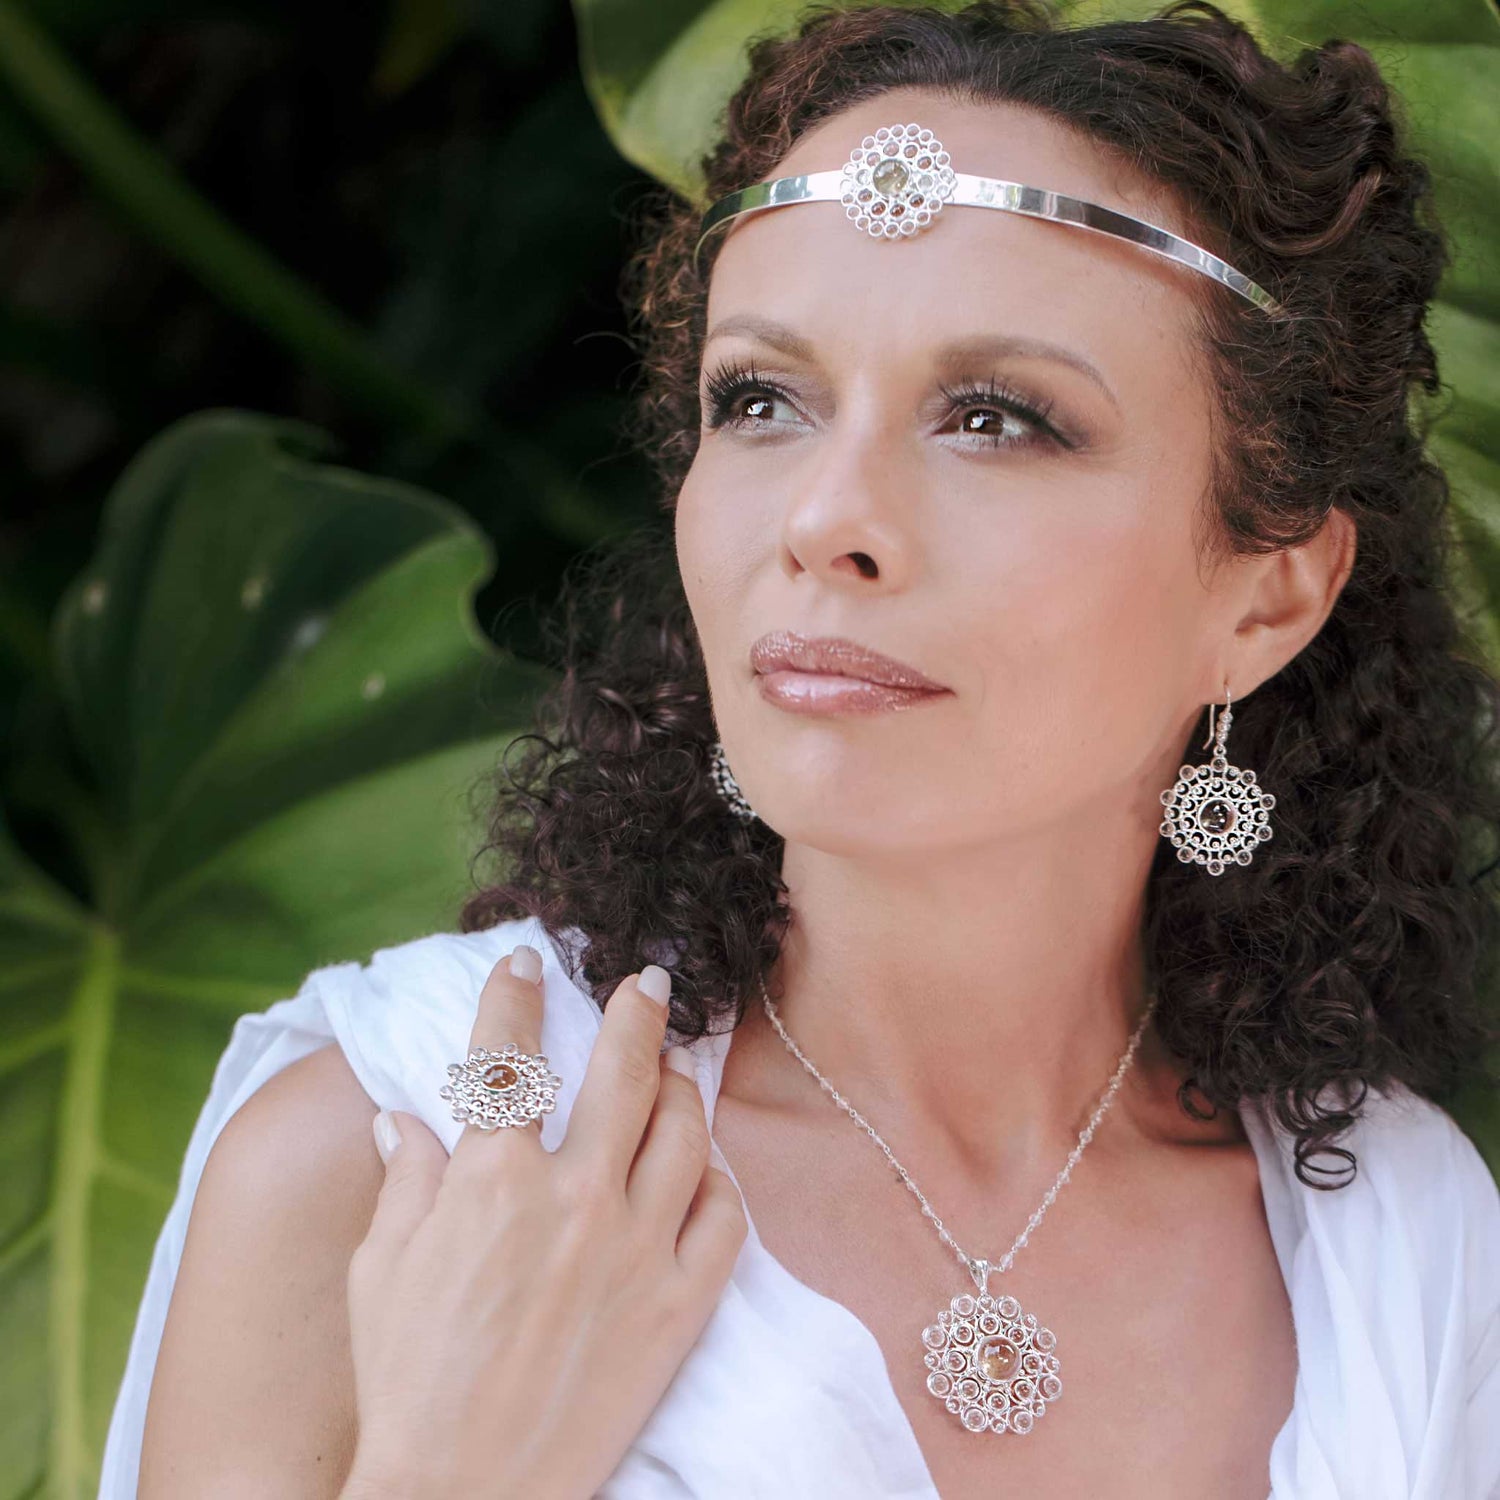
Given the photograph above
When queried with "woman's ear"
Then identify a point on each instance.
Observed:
(1294, 592)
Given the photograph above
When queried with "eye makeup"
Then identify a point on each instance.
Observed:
(729, 386)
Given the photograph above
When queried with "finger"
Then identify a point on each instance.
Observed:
(623, 1075)
(715, 1228)
(413, 1171)
(509, 1014)
(674, 1149)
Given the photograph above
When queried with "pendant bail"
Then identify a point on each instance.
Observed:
(979, 1269)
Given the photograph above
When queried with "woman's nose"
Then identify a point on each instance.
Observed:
(850, 514)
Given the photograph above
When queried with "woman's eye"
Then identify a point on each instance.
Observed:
(738, 400)
(992, 415)
(998, 416)
(753, 409)
(998, 427)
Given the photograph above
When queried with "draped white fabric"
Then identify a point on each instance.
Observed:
(1394, 1281)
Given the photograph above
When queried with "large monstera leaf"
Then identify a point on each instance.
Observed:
(283, 705)
(660, 72)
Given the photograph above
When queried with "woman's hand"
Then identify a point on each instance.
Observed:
(516, 1314)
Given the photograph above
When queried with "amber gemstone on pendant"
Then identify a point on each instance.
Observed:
(500, 1076)
(890, 177)
(998, 1358)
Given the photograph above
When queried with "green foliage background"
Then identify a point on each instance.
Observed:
(245, 689)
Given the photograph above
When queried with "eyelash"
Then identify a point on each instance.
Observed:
(732, 382)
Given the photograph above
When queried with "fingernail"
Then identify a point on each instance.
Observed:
(526, 963)
(656, 982)
(680, 1060)
(387, 1137)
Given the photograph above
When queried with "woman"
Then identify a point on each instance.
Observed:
(1057, 491)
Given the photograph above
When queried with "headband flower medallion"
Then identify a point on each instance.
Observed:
(896, 181)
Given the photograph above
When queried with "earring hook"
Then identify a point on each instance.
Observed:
(1211, 709)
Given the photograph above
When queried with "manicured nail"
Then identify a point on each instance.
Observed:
(387, 1137)
(680, 1060)
(656, 982)
(526, 963)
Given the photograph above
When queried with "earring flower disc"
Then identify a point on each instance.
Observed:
(1216, 815)
(725, 784)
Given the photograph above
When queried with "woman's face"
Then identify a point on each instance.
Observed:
(878, 477)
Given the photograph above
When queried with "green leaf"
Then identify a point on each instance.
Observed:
(1470, 364)
(1293, 24)
(1453, 108)
(418, 34)
(148, 189)
(275, 681)
(660, 73)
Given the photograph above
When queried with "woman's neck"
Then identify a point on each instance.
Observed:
(973, 1010)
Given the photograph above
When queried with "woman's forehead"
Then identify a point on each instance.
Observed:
(994, 139)
(972, 272)
(817, 293)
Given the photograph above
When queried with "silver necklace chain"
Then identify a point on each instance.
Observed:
(979, 1269)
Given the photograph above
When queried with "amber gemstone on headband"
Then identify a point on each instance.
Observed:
(500, 1076)
(890, 177)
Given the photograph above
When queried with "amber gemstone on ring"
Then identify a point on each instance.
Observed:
(500, 1076)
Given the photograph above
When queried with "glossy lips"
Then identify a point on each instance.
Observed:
(829, 674)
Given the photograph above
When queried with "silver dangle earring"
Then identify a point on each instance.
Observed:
(1216, 813)
(725, 784)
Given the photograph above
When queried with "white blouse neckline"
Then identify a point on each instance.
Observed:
(836, 1317)
(1395, 1305)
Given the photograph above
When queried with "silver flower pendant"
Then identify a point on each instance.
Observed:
(991, 1364)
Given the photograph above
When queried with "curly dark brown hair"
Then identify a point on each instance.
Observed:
(1357, 948)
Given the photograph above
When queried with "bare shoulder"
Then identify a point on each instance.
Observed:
(253, 1391)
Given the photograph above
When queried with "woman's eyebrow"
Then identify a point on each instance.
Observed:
(982, 346)
(768, 331)
(960, 352)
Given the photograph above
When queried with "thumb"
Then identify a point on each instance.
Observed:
(415, 1160)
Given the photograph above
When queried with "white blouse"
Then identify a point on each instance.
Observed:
(1394, 1281)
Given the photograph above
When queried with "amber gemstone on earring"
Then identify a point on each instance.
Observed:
(500, 1076)
(890, 177)
(998, 1359)
(1216, 817)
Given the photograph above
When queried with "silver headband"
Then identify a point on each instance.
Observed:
(896, 182)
